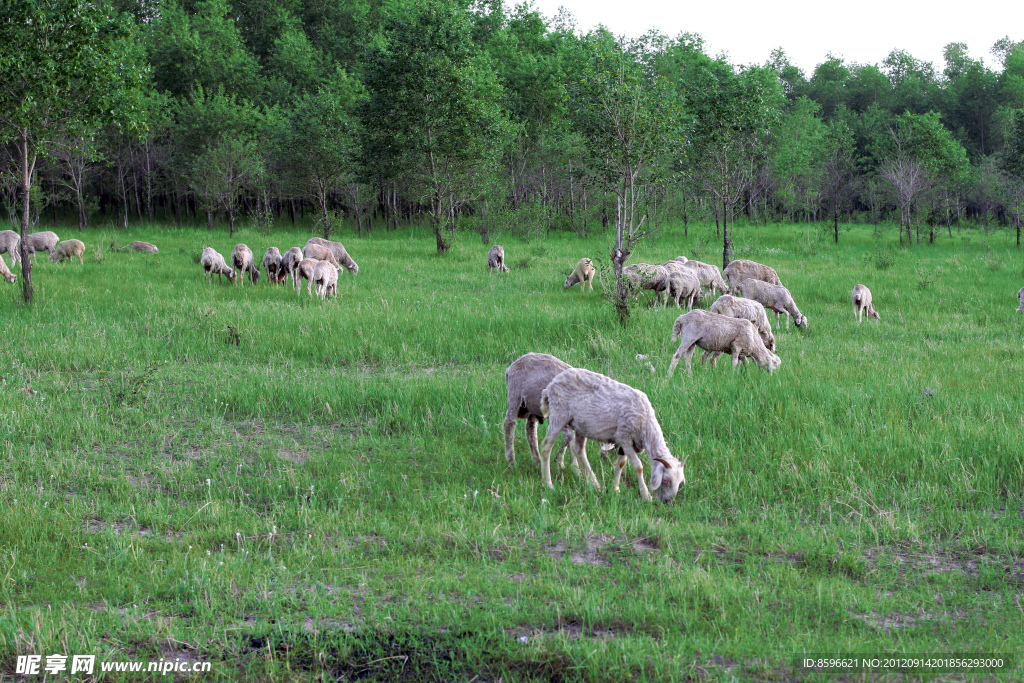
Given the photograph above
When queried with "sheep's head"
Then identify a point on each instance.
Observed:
(11, 277)
(874, 314)
(667, 477)
(801, 321)
(231, 274)
(254, 275)
(54, 256)
(774, 362)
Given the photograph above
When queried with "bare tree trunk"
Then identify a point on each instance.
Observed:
(26, 193)
(726, 242)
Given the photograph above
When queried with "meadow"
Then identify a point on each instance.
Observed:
(294, 489)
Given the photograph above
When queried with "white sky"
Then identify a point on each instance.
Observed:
(862, 31)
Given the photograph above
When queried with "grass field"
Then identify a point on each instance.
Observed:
(293, 489)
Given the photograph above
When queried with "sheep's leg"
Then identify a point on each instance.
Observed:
(686, 348)
(579, 453)
(620, 464)
(510, 437)
(545, 455)
(714, 359)
(638, 467)
(531, 436)
(567, 435)
(736, 360)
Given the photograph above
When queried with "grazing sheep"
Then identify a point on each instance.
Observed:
(748, 309)
(719, 334)
(525, 379)
(862, 303)
(775, 297)
(340, 254)
(306, 270)
(647, 276)
(583, 273)
(680, 259)
(597, 407)
(325, 277)
(5, 271)
(1020, 295)
(9, 242)
(67, 249)
(320, 253)
(141, 246)
(739, 270)
(272, 264)
(709, 275)
(214, 264)
(496, 259)
(41, 241)
(290, 265)
(243, 261)
(683, 283)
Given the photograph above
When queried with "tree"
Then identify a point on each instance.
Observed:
(629, 120)
(1011, 163)
(838, 165)
(74, 157)
(432, 109)
(63, 73)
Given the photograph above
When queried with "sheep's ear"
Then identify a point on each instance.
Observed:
(658, 474)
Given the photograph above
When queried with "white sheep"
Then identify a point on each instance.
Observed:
(6, 272)
(683, 283)
(496, 259)
(141, 246)
(290, 261)
(243, 261)
(748, 309)
(340, 254)
(1020, 295)
(272, 264)
(214, 264)
(719, 334)
(320, 253)
(709, 276)
(597, 407)
(325, 278)
(525, 379)
(775, 297)
(647, 276)
(861, 298)
(583, 273)
(9, 243)
(739, 270)
(41, 241)
(306, 270)
(66, 250)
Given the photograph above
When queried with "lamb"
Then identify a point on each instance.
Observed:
(739, 270)
(583, 273)
(735, 307)
(306, 270)
(41, 241)
(496, 259)
(67, 249)
(683, 283)
(647, 276)
(290, 265)
(862, 303)
(141, 246)
(1020, 295)
(708, 275)
(775, 297)
(272, 264)
(597, 407)
(243, 261)
(325, 277)
(320, 253)
(214, 264)
(5, 271)
(718, 334)
(340, 255)
(9, 242)
(525, 379)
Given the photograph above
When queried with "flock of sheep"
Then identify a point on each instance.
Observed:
(319, 263)
(10, 243)
(582, 405)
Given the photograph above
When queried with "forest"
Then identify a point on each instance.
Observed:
(479, 116)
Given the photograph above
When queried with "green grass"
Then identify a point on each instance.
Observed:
(294, 489)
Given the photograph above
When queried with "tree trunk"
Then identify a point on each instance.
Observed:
(26, 193)
(726, 242)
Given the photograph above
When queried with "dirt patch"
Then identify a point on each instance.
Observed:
(896, 621)
(294, 456)
(600, 549)
(937, 564)
(570, 631)
(325, 624)
(124, 528)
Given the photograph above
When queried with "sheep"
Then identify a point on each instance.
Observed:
(325, 277)
(735, 307)
(214, 264)
(739, 270)
(272, 264)
(683, 283)
(243, 261)
(597, 407)
(306, 270)
(340, 254)
(583, 273)
(41, 241)
(5, 271)
(718, 334)
(525, 379)
(709, 276)
(141, 246)
(647, 276)
(496, 259)
(320, 253)
(9, 242)
(862, 303)
(1020, 295)
(67, 249)
(775, 297)
(290, 265)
